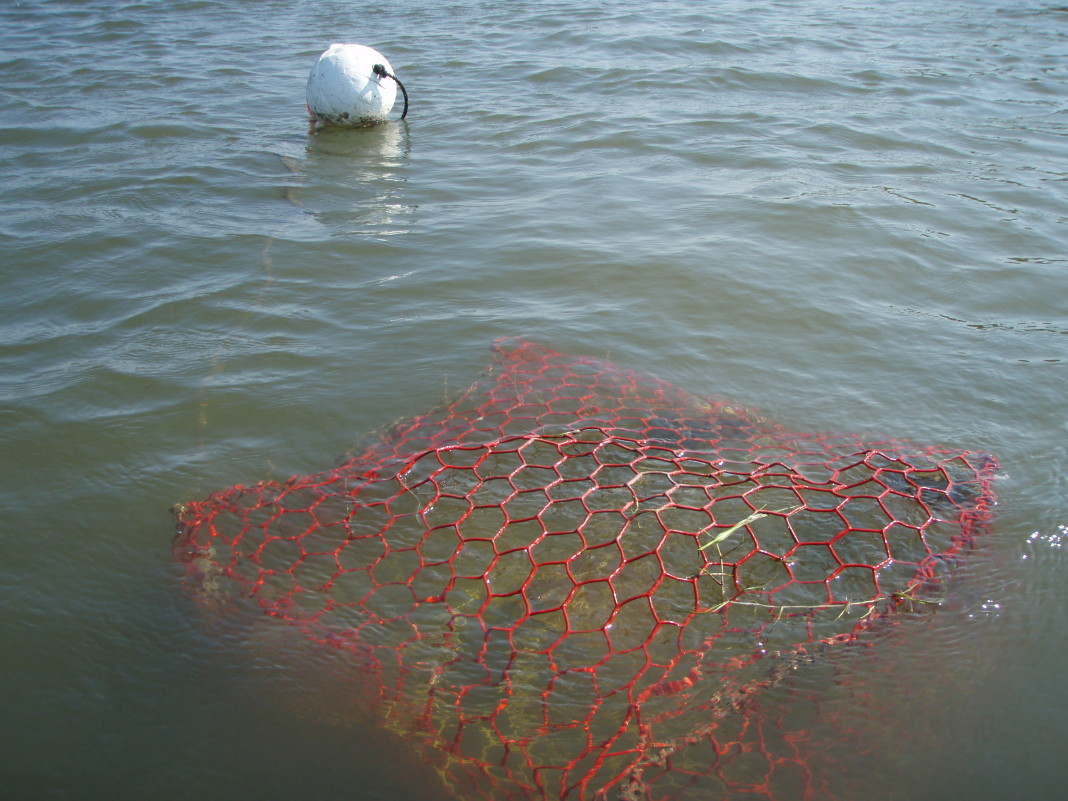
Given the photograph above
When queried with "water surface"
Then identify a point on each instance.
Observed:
(850, 215)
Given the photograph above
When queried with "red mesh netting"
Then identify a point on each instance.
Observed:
(569, 582)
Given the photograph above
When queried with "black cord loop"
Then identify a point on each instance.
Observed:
(381, 71)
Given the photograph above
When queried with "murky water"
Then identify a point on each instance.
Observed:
(849, 215)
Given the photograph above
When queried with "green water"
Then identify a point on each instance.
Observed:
(849, 215)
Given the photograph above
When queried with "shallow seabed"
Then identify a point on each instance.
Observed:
(850, 215)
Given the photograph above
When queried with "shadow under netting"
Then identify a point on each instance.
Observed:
(575, 581)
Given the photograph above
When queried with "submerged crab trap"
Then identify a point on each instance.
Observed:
(573, 581)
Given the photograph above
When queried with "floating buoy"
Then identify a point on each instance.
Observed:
(352, 85)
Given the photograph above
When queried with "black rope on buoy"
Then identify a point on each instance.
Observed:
(382, 72)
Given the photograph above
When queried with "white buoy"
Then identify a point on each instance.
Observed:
(351, 85)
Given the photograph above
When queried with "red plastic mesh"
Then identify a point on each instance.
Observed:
(571, 581)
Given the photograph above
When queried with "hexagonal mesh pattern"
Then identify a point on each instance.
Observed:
(568, 582)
